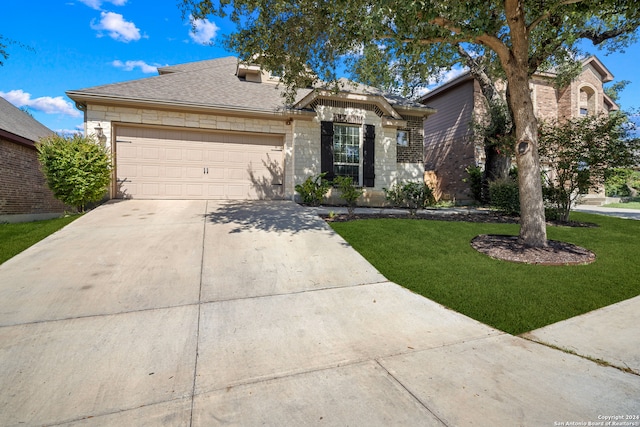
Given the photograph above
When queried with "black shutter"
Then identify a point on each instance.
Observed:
(326, 149)
(369, 147)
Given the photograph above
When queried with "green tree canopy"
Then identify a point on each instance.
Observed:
(403, 43)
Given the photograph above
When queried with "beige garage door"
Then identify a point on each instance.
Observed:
(153, 163)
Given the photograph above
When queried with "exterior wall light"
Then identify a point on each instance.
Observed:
(100, 134)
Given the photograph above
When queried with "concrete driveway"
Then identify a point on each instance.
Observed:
(196, 313)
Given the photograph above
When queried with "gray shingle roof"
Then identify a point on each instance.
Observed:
(213, 83)
(19, 123)
(207, 83)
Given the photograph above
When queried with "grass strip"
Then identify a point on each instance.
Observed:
(15, 238)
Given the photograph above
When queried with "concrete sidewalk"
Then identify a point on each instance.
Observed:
(617, 212)
(195, 313)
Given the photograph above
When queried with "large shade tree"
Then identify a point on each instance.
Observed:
(408, 41)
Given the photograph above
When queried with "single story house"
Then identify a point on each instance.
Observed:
(220, 129)
(24, 195)
(449, 143)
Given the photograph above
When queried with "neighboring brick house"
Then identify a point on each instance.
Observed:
(24, 194)
(449, 145)
(221, 129)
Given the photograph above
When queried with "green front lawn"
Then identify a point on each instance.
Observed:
(436, 260)
(633, 203)
(15, 238)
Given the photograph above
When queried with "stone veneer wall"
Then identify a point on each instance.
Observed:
(23, 188)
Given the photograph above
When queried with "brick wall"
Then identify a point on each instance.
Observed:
(413, 152)
(23, 189)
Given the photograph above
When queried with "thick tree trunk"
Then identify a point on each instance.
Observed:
(515, 62)
(533, 231)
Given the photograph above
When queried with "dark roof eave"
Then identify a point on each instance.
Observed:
(84, 97)
(17, 139)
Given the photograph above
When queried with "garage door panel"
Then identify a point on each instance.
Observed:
(151, 189)
(173, 171)
(173, 154)
(127, 151)
(173, 190)
(194, 190)
(215, 155)
(151, 171)
(215, 191)
(196, 173)
(127, 171)
(174, 164)
(217, 173)
(152, 153)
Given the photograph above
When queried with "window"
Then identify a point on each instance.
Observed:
(402, 138)
(587, 101)
(346, 151)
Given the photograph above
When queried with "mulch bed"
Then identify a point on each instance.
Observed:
(507, 248)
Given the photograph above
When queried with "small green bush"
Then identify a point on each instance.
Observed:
(411, 195)
(348, 191)
(475, 182)
(77, 168)
(313, 189)
(505, 196)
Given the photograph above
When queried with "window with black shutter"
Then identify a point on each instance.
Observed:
(344, 153)
(368, 154)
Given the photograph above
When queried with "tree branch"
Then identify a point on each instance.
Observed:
(493, 42)
(597, 38)
(546, 14)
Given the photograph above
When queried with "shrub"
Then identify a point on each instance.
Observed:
(313, 189)
(348, 191)
(556, 202)
(77, 169)
(411, 195)
(475, 182)
(622, 182)
(505, 196)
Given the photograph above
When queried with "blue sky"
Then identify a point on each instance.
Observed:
(82, 43)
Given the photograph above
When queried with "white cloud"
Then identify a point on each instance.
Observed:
(446, 76)
(46, 104)
(97, 4)
(203, 31)
(131, 65)
(117, 27)
(70, 132)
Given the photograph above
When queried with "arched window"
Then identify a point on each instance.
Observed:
(587, 101)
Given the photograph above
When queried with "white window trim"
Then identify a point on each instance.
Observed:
(360, 150)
